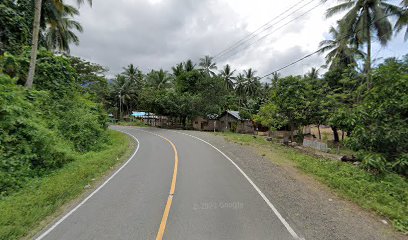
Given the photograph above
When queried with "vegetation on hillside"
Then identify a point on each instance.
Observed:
(44, 128)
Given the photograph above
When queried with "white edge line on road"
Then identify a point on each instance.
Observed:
(284, 222)
(93, 193)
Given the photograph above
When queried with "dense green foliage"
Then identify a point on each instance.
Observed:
(57, 25)
(186, 93)
(381, 120)
(41, 129)
(375, 119)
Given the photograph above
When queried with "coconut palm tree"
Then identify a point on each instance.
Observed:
(240, 88)
(35, 34)
(207, 65)
(227, 76)
(158, 79)
(133, 74)
(58, 34)
(252, 84)
(363, 20)
(340, 54)
(188, 65)
(125, 92)
(177, 70)
(402, 17)
(312, 74)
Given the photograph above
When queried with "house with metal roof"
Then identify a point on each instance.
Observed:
(232, 121)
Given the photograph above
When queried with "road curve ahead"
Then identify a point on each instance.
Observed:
(175, 187)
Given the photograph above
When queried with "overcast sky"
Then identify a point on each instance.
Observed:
(155, 34)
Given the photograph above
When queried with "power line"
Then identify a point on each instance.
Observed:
(317, 51)
(255, 33)
(275, 30)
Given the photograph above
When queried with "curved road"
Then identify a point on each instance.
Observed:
(212, 199)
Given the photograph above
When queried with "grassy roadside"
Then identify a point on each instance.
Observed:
(29, 208)
(136, 123)
(386, 195)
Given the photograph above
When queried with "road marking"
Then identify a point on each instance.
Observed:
(93, 193)
(166, 213)
(284, 222)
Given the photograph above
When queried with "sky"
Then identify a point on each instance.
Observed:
(154, 34)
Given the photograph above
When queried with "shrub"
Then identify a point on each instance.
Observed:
(42, 129)
(27, 146)
(381, 120)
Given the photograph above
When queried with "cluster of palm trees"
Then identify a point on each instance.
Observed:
(244, 84)
(364, 22)
(125, 89)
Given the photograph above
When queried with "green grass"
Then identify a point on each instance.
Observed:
(386, 195)
(136, 123)
(31, 207)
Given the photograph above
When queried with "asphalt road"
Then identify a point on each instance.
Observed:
(212, 199)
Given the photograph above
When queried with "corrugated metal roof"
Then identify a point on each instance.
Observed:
(235, 114)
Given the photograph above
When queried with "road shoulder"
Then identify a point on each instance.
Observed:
(310, 206)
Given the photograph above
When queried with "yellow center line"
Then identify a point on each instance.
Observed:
(163, 223)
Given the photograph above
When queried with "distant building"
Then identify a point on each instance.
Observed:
(232, 121)
(227, 121)
(209, 123)
(150, 119)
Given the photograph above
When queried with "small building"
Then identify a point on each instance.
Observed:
(209, 123)
(232, 121)
(150, 119)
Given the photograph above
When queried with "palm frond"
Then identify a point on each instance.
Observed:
(339, 8)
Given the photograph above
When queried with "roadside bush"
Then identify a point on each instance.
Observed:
(83, 123)
(400, 165)
(27, 147)
(381, 124)
(42, 129)
(373, 162)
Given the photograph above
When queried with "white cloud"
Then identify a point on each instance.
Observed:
(160, 33)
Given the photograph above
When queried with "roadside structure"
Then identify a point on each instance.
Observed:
(232, 121)
(209, 123)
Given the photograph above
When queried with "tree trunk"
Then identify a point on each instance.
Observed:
(318, 130)
(335, 134)
(342, 135)
(34, 44)
(291, 132)
(368, 63)
(184, 121)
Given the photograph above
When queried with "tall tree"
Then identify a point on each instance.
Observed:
(312, 74)
(59, 34)
(177, 70)
(158, 79)
(240, 88)
(34, 43)
(362, 20)
(228, 77)
(402, 17)
(340, 54)
(252, 84)
(207, 65)
(189, 65)
(133, 74)
(35, 35)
